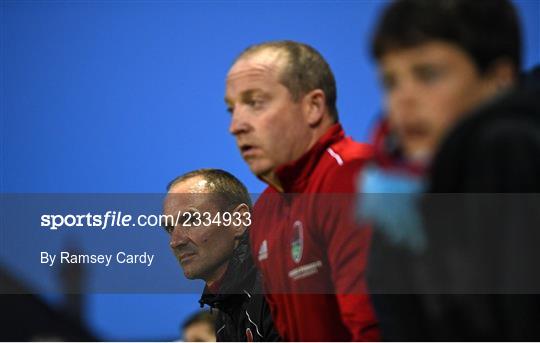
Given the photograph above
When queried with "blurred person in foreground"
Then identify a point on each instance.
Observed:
(282, 100)
(485, 235)
(208, 214)
(199, 327)
(440, 61)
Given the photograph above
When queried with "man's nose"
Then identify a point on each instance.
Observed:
(239, 123)
(178, 237)
(405, 96)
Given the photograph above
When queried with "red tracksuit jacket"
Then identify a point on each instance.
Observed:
(308, 249)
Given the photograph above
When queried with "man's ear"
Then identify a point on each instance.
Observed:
(239, 230)
(502, 75)
(314, 104)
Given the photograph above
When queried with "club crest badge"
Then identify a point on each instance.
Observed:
(249, 335)
(297, 243)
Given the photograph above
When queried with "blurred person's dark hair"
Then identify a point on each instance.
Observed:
(487, 30)
(305, 71)
(232, 191)
(204, 318)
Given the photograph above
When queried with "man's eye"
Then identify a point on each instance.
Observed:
(388, 83)
(429, 75)
(255, 103)
(230, 109)
(169, 229)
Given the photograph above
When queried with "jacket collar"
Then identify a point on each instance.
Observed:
(238, 279)
(294, 176)
(388, 153)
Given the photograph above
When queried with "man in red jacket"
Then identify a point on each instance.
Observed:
(282, 98)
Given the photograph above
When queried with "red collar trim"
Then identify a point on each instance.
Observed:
(388, 152)
(293, 176)
(214, 289)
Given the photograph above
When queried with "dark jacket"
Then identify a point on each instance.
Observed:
(485, 234)
(496, 149)
(243, 312)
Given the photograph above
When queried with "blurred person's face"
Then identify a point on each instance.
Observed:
(203, 251)
(199, 332)
(428, 88)
(270, 128)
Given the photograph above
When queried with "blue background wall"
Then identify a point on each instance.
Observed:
(122, 96)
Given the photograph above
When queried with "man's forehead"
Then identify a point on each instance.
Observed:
(193, 192)
(257, 63)
(193, 185)
(431, 52)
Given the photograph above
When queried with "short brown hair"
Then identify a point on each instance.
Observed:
(305, 71)
(205, 317)
(231, 190)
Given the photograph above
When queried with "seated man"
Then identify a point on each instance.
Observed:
(207, 216)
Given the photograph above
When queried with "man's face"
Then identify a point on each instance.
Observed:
(428, 88)
(270, 128)
(203, 251)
